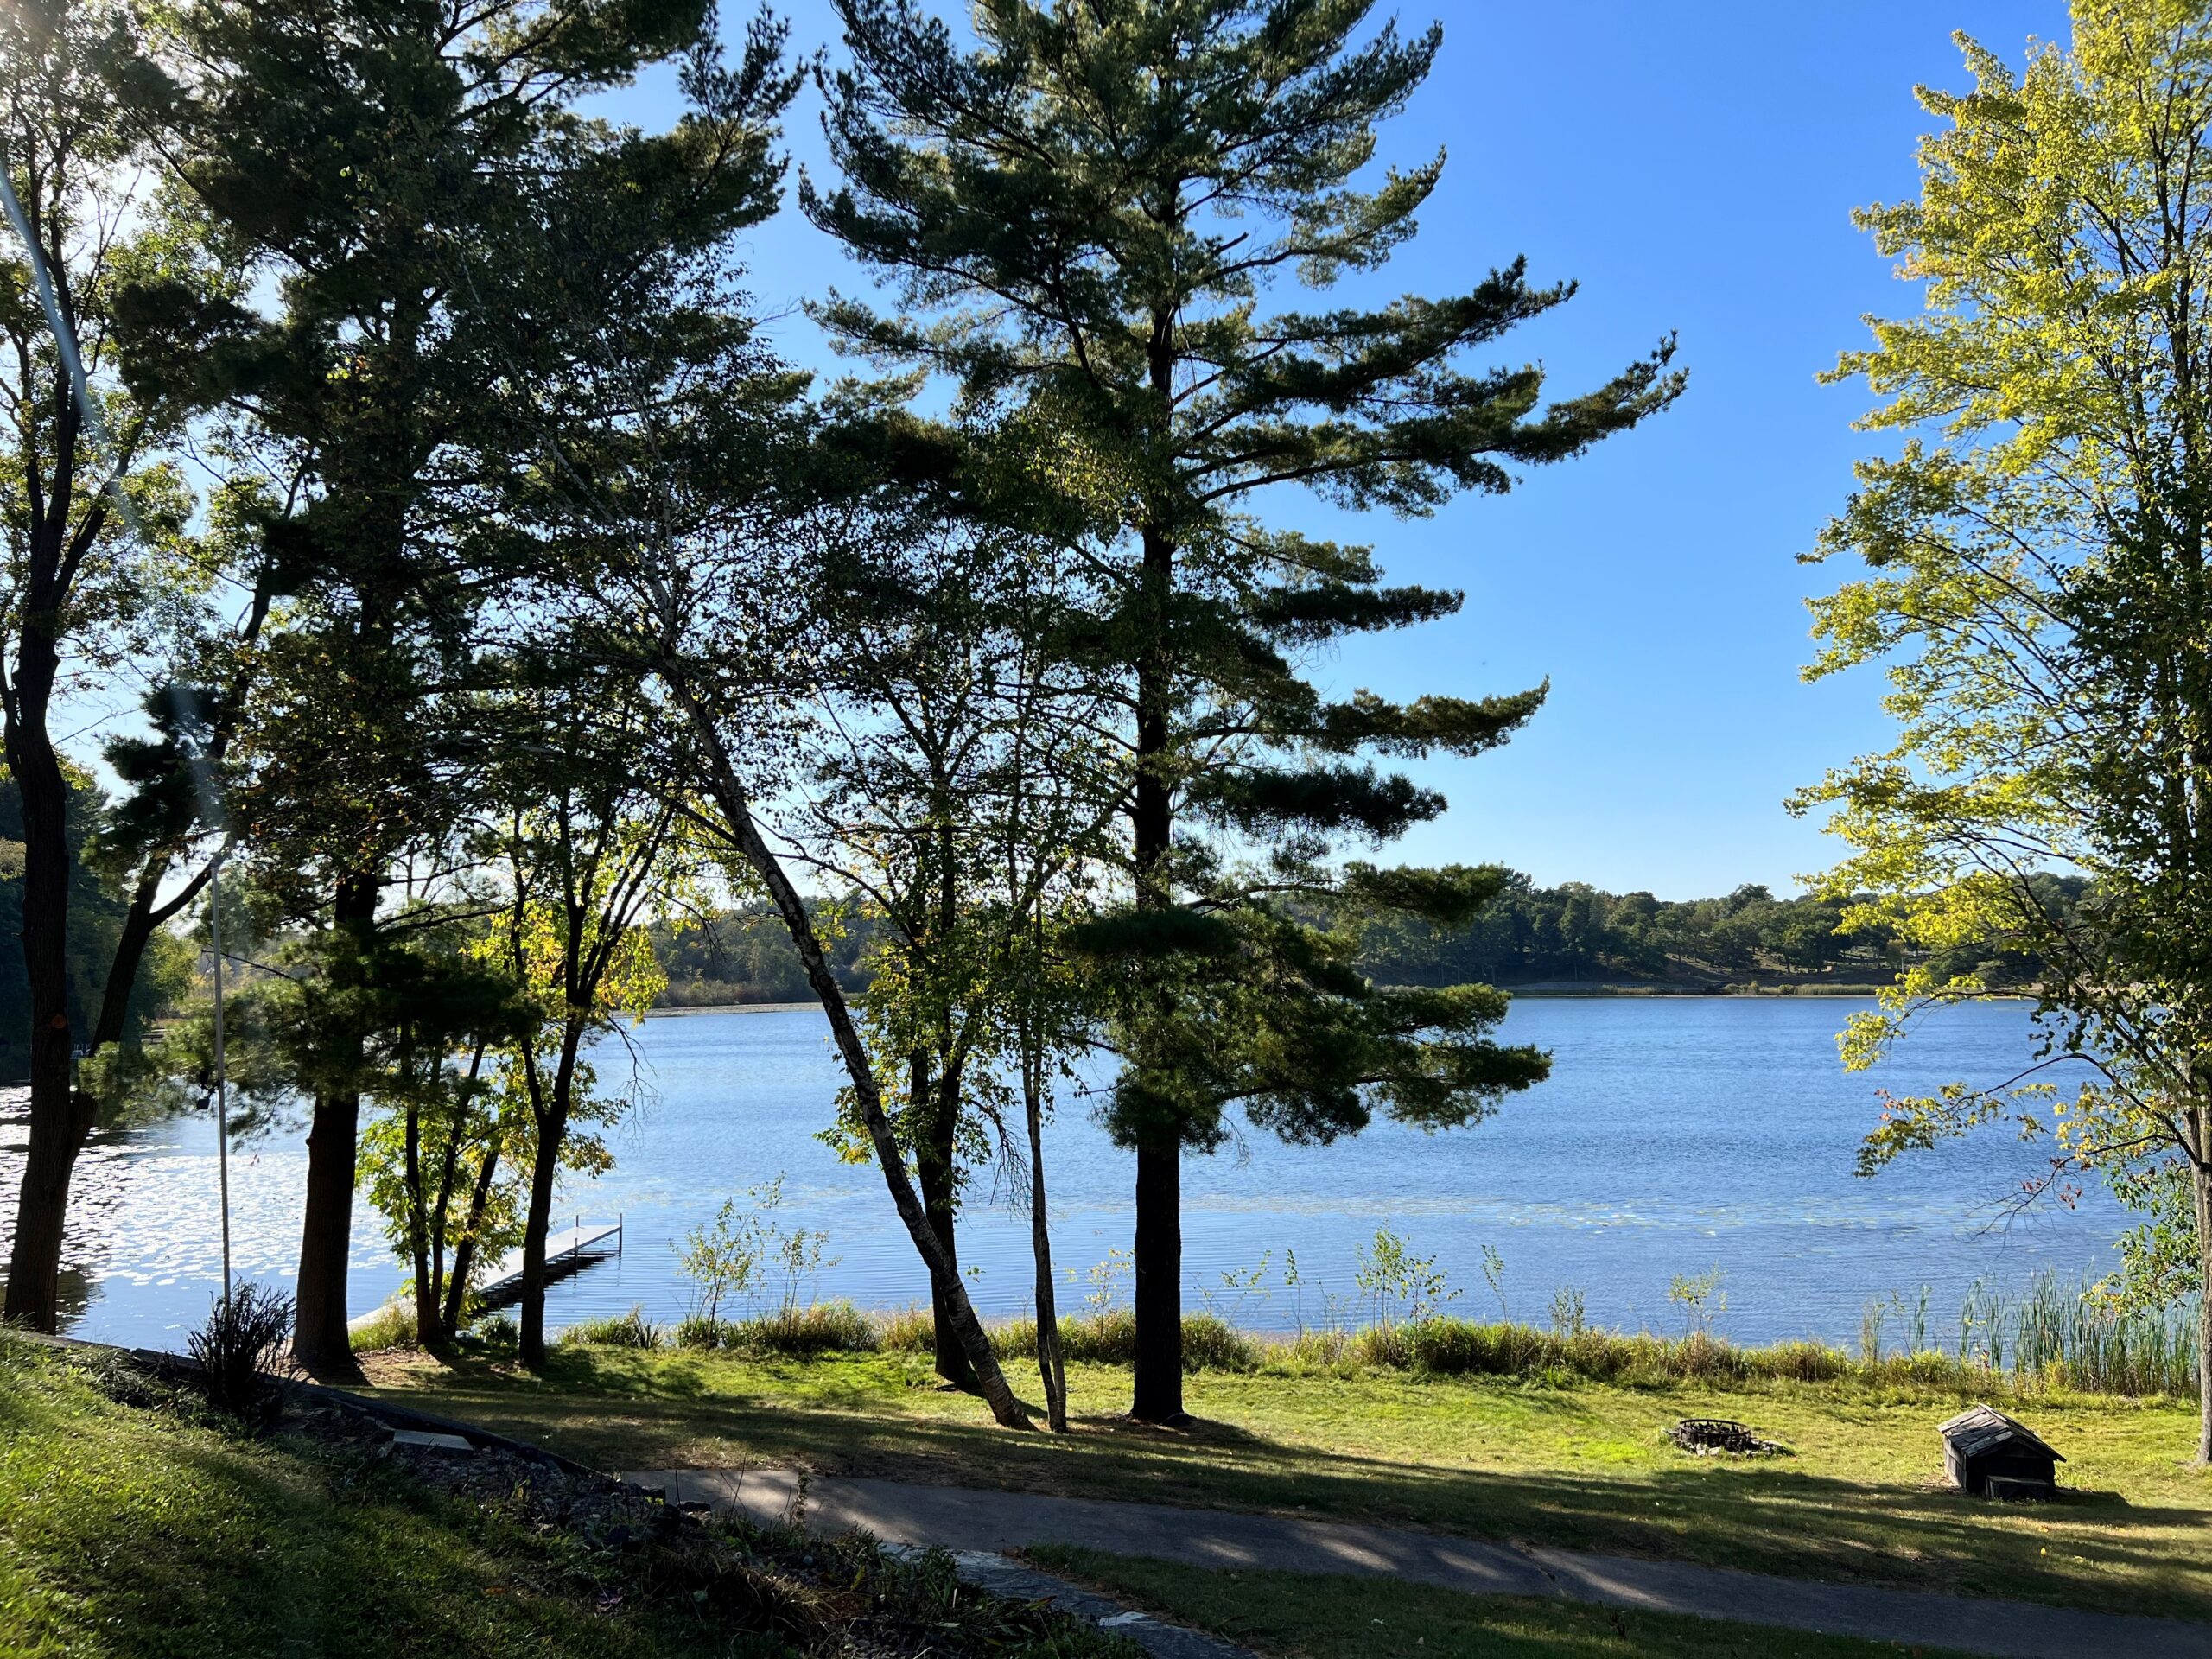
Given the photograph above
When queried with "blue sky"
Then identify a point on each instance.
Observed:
(1693, 166)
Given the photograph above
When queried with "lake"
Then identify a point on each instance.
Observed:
(1677, 1135)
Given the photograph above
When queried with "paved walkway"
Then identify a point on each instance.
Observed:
(959, 1518)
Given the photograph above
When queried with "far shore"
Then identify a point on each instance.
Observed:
(734, 1008)
(1551, 990)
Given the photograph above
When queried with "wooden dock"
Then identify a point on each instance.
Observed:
(569, 1251)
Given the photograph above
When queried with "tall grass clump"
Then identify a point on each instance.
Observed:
(909, 1330)
(2066, 1335)
(822, 1328)
(391, 1326)
(245, 1368)
(1453, 1347)
(1209, 1343)
(631, 1330)
(2052, 1337)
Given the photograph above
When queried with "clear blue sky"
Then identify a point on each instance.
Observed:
(1693, 166)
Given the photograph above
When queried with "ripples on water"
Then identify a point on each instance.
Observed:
(1676, 1135)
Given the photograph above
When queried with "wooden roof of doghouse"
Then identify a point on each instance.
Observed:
(1984, 1428)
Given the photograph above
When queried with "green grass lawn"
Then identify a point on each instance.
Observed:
(129, 1532)
(1583, 1466)
(1310, 1616)
(134, 1525)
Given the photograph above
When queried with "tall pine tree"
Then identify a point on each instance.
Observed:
(1083, 212)
(391, 167)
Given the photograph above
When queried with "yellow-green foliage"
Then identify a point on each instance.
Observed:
(2032, 553)
(392, 1326)
(631, 1330)
(827, 1327)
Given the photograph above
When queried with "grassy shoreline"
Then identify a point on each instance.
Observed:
(2040, 1344)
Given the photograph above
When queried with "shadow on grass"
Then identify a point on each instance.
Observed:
(2091, 1550)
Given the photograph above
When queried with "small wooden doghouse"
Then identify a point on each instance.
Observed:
(1988, 1455)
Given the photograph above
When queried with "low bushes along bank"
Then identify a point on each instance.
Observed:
(1443, 1347)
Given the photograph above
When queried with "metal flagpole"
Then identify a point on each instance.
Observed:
(222, 1095)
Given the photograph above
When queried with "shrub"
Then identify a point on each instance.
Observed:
(631, 1330)
(698, 1330)
(1110, 1339)
(1104, 1339)
(245, 1370)
(499, 1331)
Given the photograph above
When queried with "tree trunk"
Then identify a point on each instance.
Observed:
(936, 1126)
(130, 942)
(60, 1119)
(748, 840)
(1050, 1367)
(464, 1253)
(320, 1341)
(418, 1238)
(2201, 1169)
(544, 1166)
(1158, 1391)
(1159, 1253)
(441, 1221)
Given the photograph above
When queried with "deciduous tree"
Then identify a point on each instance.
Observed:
(95, 520)
(2038, 592)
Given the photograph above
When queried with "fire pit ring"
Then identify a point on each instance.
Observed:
(1708, 1437)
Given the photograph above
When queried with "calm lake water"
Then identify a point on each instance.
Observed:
(1676, 1135)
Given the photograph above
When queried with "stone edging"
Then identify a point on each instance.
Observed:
(1001, 1575)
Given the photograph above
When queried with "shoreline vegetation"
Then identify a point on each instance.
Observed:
(2048, 1342)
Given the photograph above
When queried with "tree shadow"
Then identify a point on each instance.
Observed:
(2096, 1549)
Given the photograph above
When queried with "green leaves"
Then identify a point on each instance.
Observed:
(2036, 596)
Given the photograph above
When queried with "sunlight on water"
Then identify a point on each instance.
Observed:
(1675, 1135)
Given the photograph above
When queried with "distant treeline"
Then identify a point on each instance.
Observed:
(1573, 934)
(746, 955)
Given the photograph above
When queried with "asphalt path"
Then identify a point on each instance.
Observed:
(976, 1523)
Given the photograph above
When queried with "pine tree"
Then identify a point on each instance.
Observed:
(395, 172)
(1084, 212)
